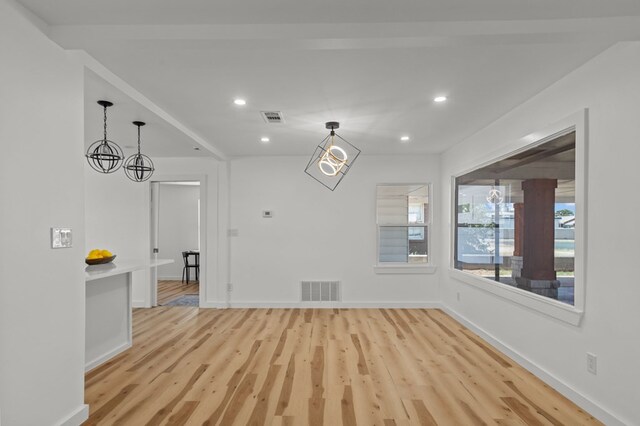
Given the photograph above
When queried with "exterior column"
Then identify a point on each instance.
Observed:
(538, 250)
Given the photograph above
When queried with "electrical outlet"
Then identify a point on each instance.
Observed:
(229, 287)
(458, 296)
(592, 363)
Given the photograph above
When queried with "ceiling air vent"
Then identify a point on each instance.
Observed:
(272, 117)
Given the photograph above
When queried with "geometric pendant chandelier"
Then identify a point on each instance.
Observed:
(332, 158)
(103, 155)
(494, 196)
(138, 167)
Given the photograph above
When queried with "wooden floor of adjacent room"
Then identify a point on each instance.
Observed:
(316, 366)
(169, 290)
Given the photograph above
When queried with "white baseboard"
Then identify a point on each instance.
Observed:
(172, 278)
(566, 390)
(76, 418)
(213, 305)
(104, 357)
(330, 305)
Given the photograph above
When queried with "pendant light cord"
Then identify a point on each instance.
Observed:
(138, 140)
(105, 123)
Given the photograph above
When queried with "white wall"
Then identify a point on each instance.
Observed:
(178, 227)
(316, 234)
(117, 219)
(41, 186)
(609, 86)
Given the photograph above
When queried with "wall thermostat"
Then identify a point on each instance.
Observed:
(267, 213)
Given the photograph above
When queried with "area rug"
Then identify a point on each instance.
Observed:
(186, 300)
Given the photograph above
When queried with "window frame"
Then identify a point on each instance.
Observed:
(562, 311)
(405, 267)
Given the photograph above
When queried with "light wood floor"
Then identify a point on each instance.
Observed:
(169, 290)
(324, 366)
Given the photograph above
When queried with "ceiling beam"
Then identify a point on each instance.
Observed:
(355, 36)
(94, 65)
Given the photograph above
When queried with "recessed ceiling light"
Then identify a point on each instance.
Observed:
(265, 139)
(196, 148)
(239, 102)
(440, 99)
(404, 138)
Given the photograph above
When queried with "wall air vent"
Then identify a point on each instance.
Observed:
(320, 291)
(274, 117)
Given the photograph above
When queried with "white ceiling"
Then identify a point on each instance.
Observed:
(158, 138)
(373, 65)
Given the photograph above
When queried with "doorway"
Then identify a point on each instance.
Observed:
(176, 234)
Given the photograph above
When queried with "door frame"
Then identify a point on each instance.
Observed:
(204, 226)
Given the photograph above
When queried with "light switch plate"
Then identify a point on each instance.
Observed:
(61, 238)
(267, 213)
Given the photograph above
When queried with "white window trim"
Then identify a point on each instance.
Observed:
(404, 268)
(407, 268)
(553, 308)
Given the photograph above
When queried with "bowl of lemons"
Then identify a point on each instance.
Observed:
(99, 257)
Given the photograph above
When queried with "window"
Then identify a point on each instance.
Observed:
(403, 219)
(515, 220)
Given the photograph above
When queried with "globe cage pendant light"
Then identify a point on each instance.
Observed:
(103, 155)
(332, 158)
(138, 167)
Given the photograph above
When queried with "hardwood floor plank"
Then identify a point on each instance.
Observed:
(424, 416)
(186, 353)
(492, 353)
(533, 405)
(232, 384)
(242, 320)
(348, 411)
(163, 412)
(317, 372)
(206, 328)
(362, 362)
(106, 409)
(285, 393)
(393, 324)
(182, 415)
(522, 411)
(316, 412)
(439, 324)
(235, 405)
(259, 413)
(278, 351)
(151, 355)
(471, 414)
(338, 377)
